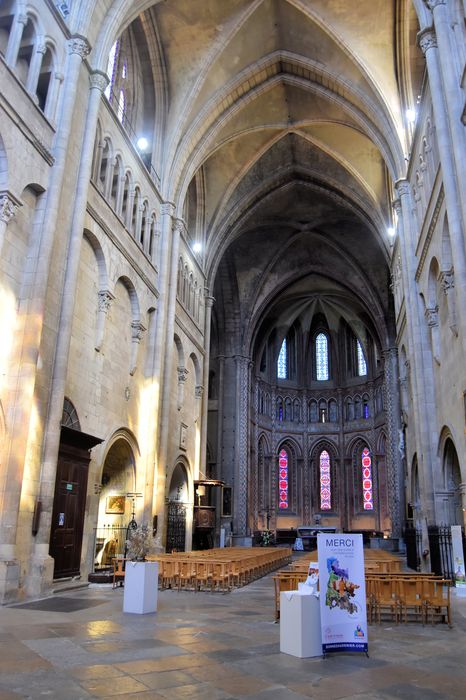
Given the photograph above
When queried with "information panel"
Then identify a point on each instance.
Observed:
(342, 593)
(458, 558)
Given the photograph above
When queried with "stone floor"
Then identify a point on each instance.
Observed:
(79, 644)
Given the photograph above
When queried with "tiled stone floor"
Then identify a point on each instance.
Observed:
(213, 646)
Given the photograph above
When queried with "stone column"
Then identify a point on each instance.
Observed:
(137, 330)
(168, 273)
(243, 382)
(454, 96)
(394, 462)
(454, 189)
(447, 281)
(105, 301)
(424, 406)
(98, 82)
(14, 41)
(28, 338)
(34, 69)
(52, 96)
(8, 208)
(431, 314)
(182, 376)
(209, 301)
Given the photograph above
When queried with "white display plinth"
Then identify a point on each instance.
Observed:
(300, 633)
(141, 585)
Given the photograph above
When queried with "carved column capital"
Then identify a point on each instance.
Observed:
(167, 209)
(432, 4)
(447, 280)
(79, 45)
(182, 374)
(22, 19)
(41, 48)
(431, 315)
(137, 330)
(178, 226)
(402, 187)
(8, 208)
(105, 299)
(427, 39)
(199, 391)
(98, 80)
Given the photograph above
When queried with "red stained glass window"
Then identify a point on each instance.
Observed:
(283, 480)
(325, 485)
(366, 462)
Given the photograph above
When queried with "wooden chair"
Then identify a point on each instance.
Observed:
(438, 601)
(386, 599)
(118, 571)
(409, 595)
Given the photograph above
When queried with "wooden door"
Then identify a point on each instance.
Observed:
(68, 513)
(69, 503)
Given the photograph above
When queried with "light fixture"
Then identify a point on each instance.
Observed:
(411, 115)
(197, 247)
(391, 233)
(142, 143)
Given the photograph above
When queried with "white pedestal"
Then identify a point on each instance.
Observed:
(141, 585)
(300, 633)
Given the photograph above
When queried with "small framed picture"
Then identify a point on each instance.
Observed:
(226, 501)
(115, 505)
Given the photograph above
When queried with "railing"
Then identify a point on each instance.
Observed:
(113, 100)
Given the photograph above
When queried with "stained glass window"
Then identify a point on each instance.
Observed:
(121, 106)
(281, 362)
(322, 357)
(325, 486)
(283, 480)
(362, 367)
(111, 69)
(367, 480)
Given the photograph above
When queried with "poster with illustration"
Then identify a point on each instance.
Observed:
(458, 558)
(342, 592)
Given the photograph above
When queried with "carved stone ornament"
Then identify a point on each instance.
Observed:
(7, 209)
(402, 187)
(105, 299)
(431, 315)
(98, 80)
(167, 209)
(432, 4)
(199, 391)
(137, 330)
(447, 280)
(427, 40)
(182, 374)
(178, 226)
(79, 45)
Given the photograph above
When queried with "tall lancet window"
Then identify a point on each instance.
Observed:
(282, 362)
(325, 485)
(367, 480)
(362, 367)
(322, 369)
(283, 480)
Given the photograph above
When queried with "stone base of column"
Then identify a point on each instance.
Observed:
(39, 581)
(9, 581)
(241, 541)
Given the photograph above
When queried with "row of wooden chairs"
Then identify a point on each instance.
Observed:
(218, 569)
(408, 597)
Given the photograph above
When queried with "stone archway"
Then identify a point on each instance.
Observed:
(115, 506)
(177, 510)
(452, 474)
